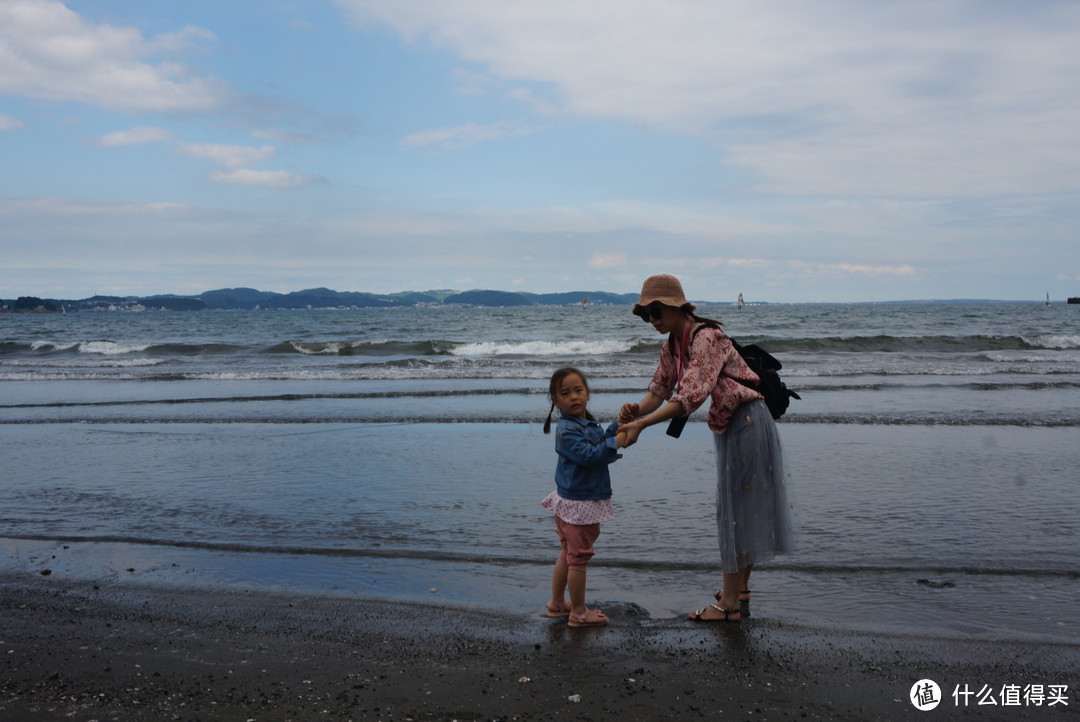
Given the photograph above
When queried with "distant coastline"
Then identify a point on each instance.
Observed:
(250, 299)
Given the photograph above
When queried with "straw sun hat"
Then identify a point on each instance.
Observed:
(665, 289)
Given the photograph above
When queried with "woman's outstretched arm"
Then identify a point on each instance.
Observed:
(649, 403)
(650, 412)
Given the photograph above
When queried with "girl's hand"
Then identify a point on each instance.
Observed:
(628, 413)
(620, 439)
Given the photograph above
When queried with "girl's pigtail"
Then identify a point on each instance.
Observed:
(547, 421)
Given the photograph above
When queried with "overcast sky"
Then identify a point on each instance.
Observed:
(790, 151)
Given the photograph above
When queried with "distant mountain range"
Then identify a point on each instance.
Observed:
(250, 299)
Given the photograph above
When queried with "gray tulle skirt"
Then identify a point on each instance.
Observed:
(753, 516)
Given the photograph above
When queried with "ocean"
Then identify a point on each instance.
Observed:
(398, 454)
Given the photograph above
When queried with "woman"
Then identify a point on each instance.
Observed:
(697, 363)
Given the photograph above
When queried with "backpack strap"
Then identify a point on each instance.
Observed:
(739, 349)
(701, 326)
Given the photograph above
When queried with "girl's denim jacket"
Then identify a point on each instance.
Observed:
(585, 449)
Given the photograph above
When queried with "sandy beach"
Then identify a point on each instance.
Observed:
(90, 651)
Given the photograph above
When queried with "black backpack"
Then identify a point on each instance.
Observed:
(777, 394)
(764, 364)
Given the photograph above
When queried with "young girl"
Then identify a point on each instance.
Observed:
(582, 498)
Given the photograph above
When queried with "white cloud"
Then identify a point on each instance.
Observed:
(539, 105)
(600, 218)
(229, 156)
(37, 209)
(268, 178)
(706, 272)
(469, 83)
(285, 136)
(861, 269)
(234, 158)
(9, 123)
(50, 53)
(611, 259)
(464, 135)
(135, 136)
(834, 97)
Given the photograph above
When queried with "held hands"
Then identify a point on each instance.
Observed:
(628, 429)
(628, 433)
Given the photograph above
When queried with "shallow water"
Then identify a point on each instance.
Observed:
(891, 519)
(931, 461)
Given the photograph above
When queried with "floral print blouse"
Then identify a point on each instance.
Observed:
(713, 360)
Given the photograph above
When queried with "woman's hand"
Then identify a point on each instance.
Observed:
(630, 432)
(628, 413)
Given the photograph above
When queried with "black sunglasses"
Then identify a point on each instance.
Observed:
(656, 312)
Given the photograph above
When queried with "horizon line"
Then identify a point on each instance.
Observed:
(452, 292)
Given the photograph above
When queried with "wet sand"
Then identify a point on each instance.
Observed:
(85, 651)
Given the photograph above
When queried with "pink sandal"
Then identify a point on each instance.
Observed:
(559, 613)
(591, 618)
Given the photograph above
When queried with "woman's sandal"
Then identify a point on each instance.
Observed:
(560, 613)
(698, 616)
(744, 604)
(743, 593)
(591, 618)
